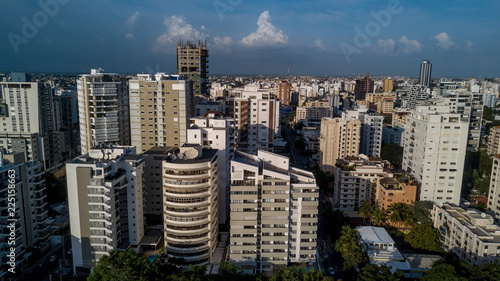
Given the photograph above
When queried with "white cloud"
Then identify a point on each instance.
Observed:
(178, 28)
(384, 46)
(129, 35)
(266, 34)
(223, 43)
(319, 44)
(410, 46)
(133, 18)
(469, 44)
(444, 41)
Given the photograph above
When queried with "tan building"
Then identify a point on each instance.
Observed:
(339, 138)
(399, 117)
(388, 85)
(381, 103)
(303, 113)
(274, 212)
(494, 141)
(160, 109)
(103, 109)
(192, 64)
(392, 190)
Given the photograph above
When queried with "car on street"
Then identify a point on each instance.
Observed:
(70, 251)
(331, 271)
(53, 258)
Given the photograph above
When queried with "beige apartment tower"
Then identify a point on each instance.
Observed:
(339, 138)
(103, 109)
(160, 109)
(274, 212)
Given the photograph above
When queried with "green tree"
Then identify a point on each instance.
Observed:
(127, 265)
(300, 144)
(294, 273)
(424, 237)
(366, 209)
(392, 153)
(400, 214)
(348, 247)
(195, 273)
(422, 211)
(373, 272)
(378, 216)
(291, 116)
(323, 178)
(443, 272)
(388, 119)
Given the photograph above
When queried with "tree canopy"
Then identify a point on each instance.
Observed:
(392, 153)
(127, 265)
(424, 237)
(348, 247)
(373, 272)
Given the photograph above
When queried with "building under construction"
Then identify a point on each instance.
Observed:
(192, 63)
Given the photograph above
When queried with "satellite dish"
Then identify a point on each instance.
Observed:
(181, 156)
(192, 154)
(483, 215)
(173, 157)
(440, 204)
(113, 155)
(96, 154)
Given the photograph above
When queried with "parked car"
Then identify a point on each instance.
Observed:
(331, 271)
(53, 258)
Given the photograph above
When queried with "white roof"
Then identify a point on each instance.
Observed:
(375, 235)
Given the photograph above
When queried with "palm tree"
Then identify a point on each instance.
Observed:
(366, 209)
(400, 213)
(378, 216)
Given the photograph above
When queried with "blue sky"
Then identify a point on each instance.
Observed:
(323, 37)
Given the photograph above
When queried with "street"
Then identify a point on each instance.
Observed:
(47, 270)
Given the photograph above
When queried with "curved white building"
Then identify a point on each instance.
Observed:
(190, 204)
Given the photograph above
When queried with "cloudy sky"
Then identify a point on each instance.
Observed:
(317, 37)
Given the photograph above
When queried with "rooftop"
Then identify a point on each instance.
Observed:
(375, 235)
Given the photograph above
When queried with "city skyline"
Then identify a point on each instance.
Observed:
(317, 38)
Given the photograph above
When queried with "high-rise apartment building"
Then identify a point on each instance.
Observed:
(435, 143)
(388, 85)
(355, 179)
(371, 135)
(274, 212)
(494, 141)
(363, 86)
(494, 191)
(192, 64)
(339, 138)
(160, 108)
(66, 118)
(470, 106)
(103, 109)
(284, 92)
(24, 200)
(190, 204)
(105, 198)
(425, 73)
(27, 117)
(256, 115)
(216, 132)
